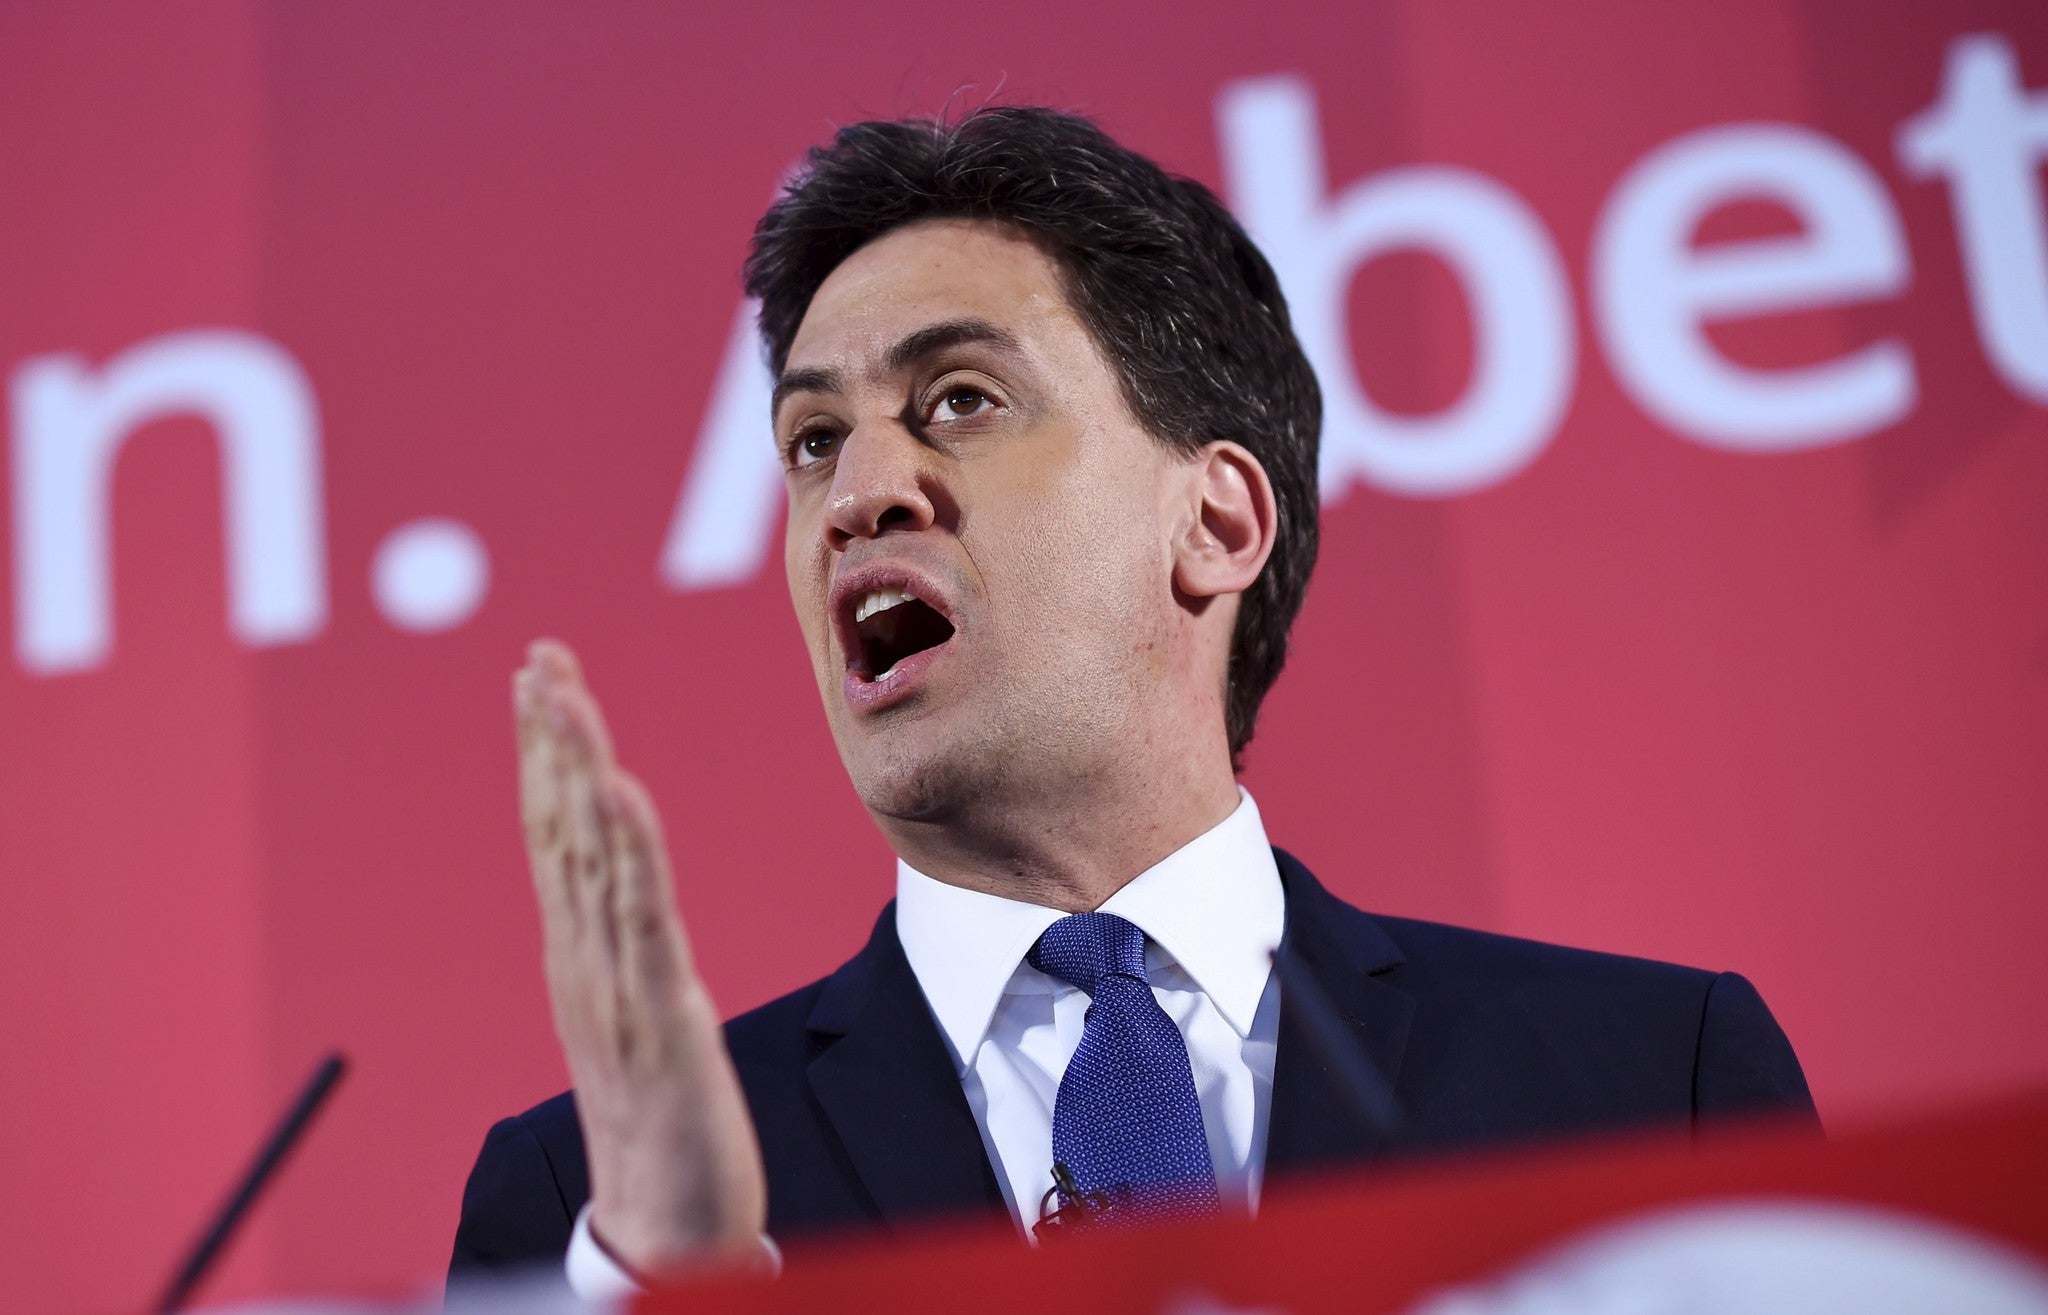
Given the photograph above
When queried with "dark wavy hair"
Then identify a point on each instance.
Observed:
(1165, 279)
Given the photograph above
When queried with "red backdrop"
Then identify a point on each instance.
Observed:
(1684, 589)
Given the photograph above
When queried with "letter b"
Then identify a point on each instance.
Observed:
(1524, 349)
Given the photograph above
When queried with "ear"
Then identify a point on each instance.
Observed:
(1236, 519)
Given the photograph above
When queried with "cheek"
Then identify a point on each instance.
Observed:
(1089, 567)
(1115, 518)
(804, 569)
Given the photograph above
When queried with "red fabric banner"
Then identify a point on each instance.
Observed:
(1941, 1213)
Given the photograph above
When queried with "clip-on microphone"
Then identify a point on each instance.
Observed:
(1080, 1209)
(1367, 1095)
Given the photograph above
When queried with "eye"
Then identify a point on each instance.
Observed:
(810, 446)
(960, 402)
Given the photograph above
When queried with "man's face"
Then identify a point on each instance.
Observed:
(952, 433)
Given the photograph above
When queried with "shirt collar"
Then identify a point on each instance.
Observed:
(1215, 906)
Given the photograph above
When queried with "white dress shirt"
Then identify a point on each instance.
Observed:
(1212, 911)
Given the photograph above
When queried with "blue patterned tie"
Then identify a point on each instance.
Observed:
(1126, 1120)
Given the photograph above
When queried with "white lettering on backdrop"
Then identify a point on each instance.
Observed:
(1524, 349)
(1652, 293)
(732, 498)
(69, 426)
(1987, 138)
(1655, 292)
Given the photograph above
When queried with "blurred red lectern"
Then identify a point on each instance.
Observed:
(1756, 1218)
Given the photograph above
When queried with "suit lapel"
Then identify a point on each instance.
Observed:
(1317, 1119)
(889, 1089)
(888, 1086)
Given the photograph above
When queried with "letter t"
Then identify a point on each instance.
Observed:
(1986, 136)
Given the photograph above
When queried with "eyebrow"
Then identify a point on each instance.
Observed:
(908, 351)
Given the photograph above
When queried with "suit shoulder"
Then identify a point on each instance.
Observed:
(1537, 1037)
(553, 1127)
(1712, 1026)
(547, 1121)
(1497, 960)
(523, 1193)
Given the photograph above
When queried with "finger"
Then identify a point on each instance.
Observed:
(554, 659)
(541, 806)
(558, 782)
(537, 748)
(587, 874)
(563, 760)
(576, 716)
(650, 928)
(558, 673)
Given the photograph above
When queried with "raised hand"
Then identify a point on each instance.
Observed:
(675, 1168)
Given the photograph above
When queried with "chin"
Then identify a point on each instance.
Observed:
(908, 777)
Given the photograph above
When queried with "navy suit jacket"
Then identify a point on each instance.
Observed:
(1481, 1038)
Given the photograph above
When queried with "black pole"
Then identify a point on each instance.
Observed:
(282, 1138)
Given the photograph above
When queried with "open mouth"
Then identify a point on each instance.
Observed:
(891, 625)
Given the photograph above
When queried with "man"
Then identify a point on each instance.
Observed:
(1050, 447)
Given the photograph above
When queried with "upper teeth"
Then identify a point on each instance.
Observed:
(880, 600)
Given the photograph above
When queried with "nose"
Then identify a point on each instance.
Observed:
(880, 482)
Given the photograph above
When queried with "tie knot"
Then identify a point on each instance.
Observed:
(1083, 948)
